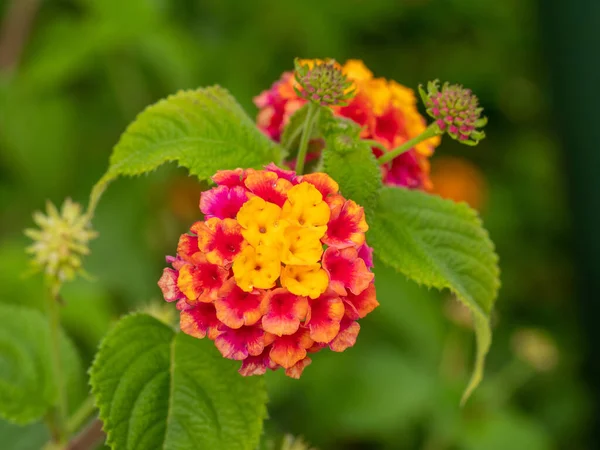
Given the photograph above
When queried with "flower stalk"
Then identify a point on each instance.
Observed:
(60, 423)
(312, 114)
(431, 131)
(59, 245)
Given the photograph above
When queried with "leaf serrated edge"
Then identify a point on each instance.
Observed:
(121, 323)
(481, 321)
(276, 153)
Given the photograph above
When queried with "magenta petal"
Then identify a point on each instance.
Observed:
(366, 253)
(238, 344)
(289, 175)
(222, 202)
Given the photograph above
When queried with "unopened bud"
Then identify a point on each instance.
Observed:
(323, 82)
(456, 111)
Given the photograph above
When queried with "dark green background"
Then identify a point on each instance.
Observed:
(89, 66)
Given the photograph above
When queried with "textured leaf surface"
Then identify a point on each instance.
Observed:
(27, 388)
(441, 244)
(204, 130)
(352, 164)
(161, 390)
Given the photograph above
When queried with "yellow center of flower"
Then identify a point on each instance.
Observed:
(257, 268)
(261, 222)
(301, 246)
(290, 235)
(308, 281)
(305, 208)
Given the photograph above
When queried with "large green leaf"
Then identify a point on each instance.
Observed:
(160, 390)
(204, 130)
(27, 387)
(352, 164)
(442, 244)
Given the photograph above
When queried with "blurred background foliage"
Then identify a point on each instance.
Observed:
(84, 68)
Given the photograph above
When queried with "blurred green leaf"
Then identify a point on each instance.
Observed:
(505, 430)
(26, 117)
(27, 437)
(17, 285)
(86, 314)
(409, 315)
(161, 390)
(27, 386)
(442, 244)
(204, 130)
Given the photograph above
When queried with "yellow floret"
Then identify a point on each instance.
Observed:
(308, 281)
(257, 268)
(356, 70)
(301, 246)
(261, 223)
(305, 208)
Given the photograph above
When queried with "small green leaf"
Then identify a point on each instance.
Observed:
(27, 388)
(351, 163)
(204, 130)
(160, 390)
(442, 244)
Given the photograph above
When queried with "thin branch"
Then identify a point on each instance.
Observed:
(89, 438)
(15, 30)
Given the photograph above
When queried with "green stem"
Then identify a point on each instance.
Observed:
(311, 115)
(80, 416)
(429, 132)
(293, 138)
(60, 422)
(373, 143)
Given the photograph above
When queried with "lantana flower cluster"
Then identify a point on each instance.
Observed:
(278, 268)
(384, 109)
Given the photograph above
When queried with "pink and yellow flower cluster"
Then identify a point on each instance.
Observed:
(278, 268)
(384, 109)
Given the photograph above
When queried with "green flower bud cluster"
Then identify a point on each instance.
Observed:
(456, 111)
(323, 82)
(61, 240)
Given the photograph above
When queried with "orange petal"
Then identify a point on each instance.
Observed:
(283, 311)
(296, 370)
(347, 336)
(324, 317)
(220, 240)
(346, 270)
(200, 321)
(323, 182)
(358, 306)
(288, 350)
(238, 344)
(236, 307)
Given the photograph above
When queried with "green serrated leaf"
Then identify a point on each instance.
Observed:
(350, 162)
(160, 390)
(204, 130)
(27, 387)
(441, 244)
